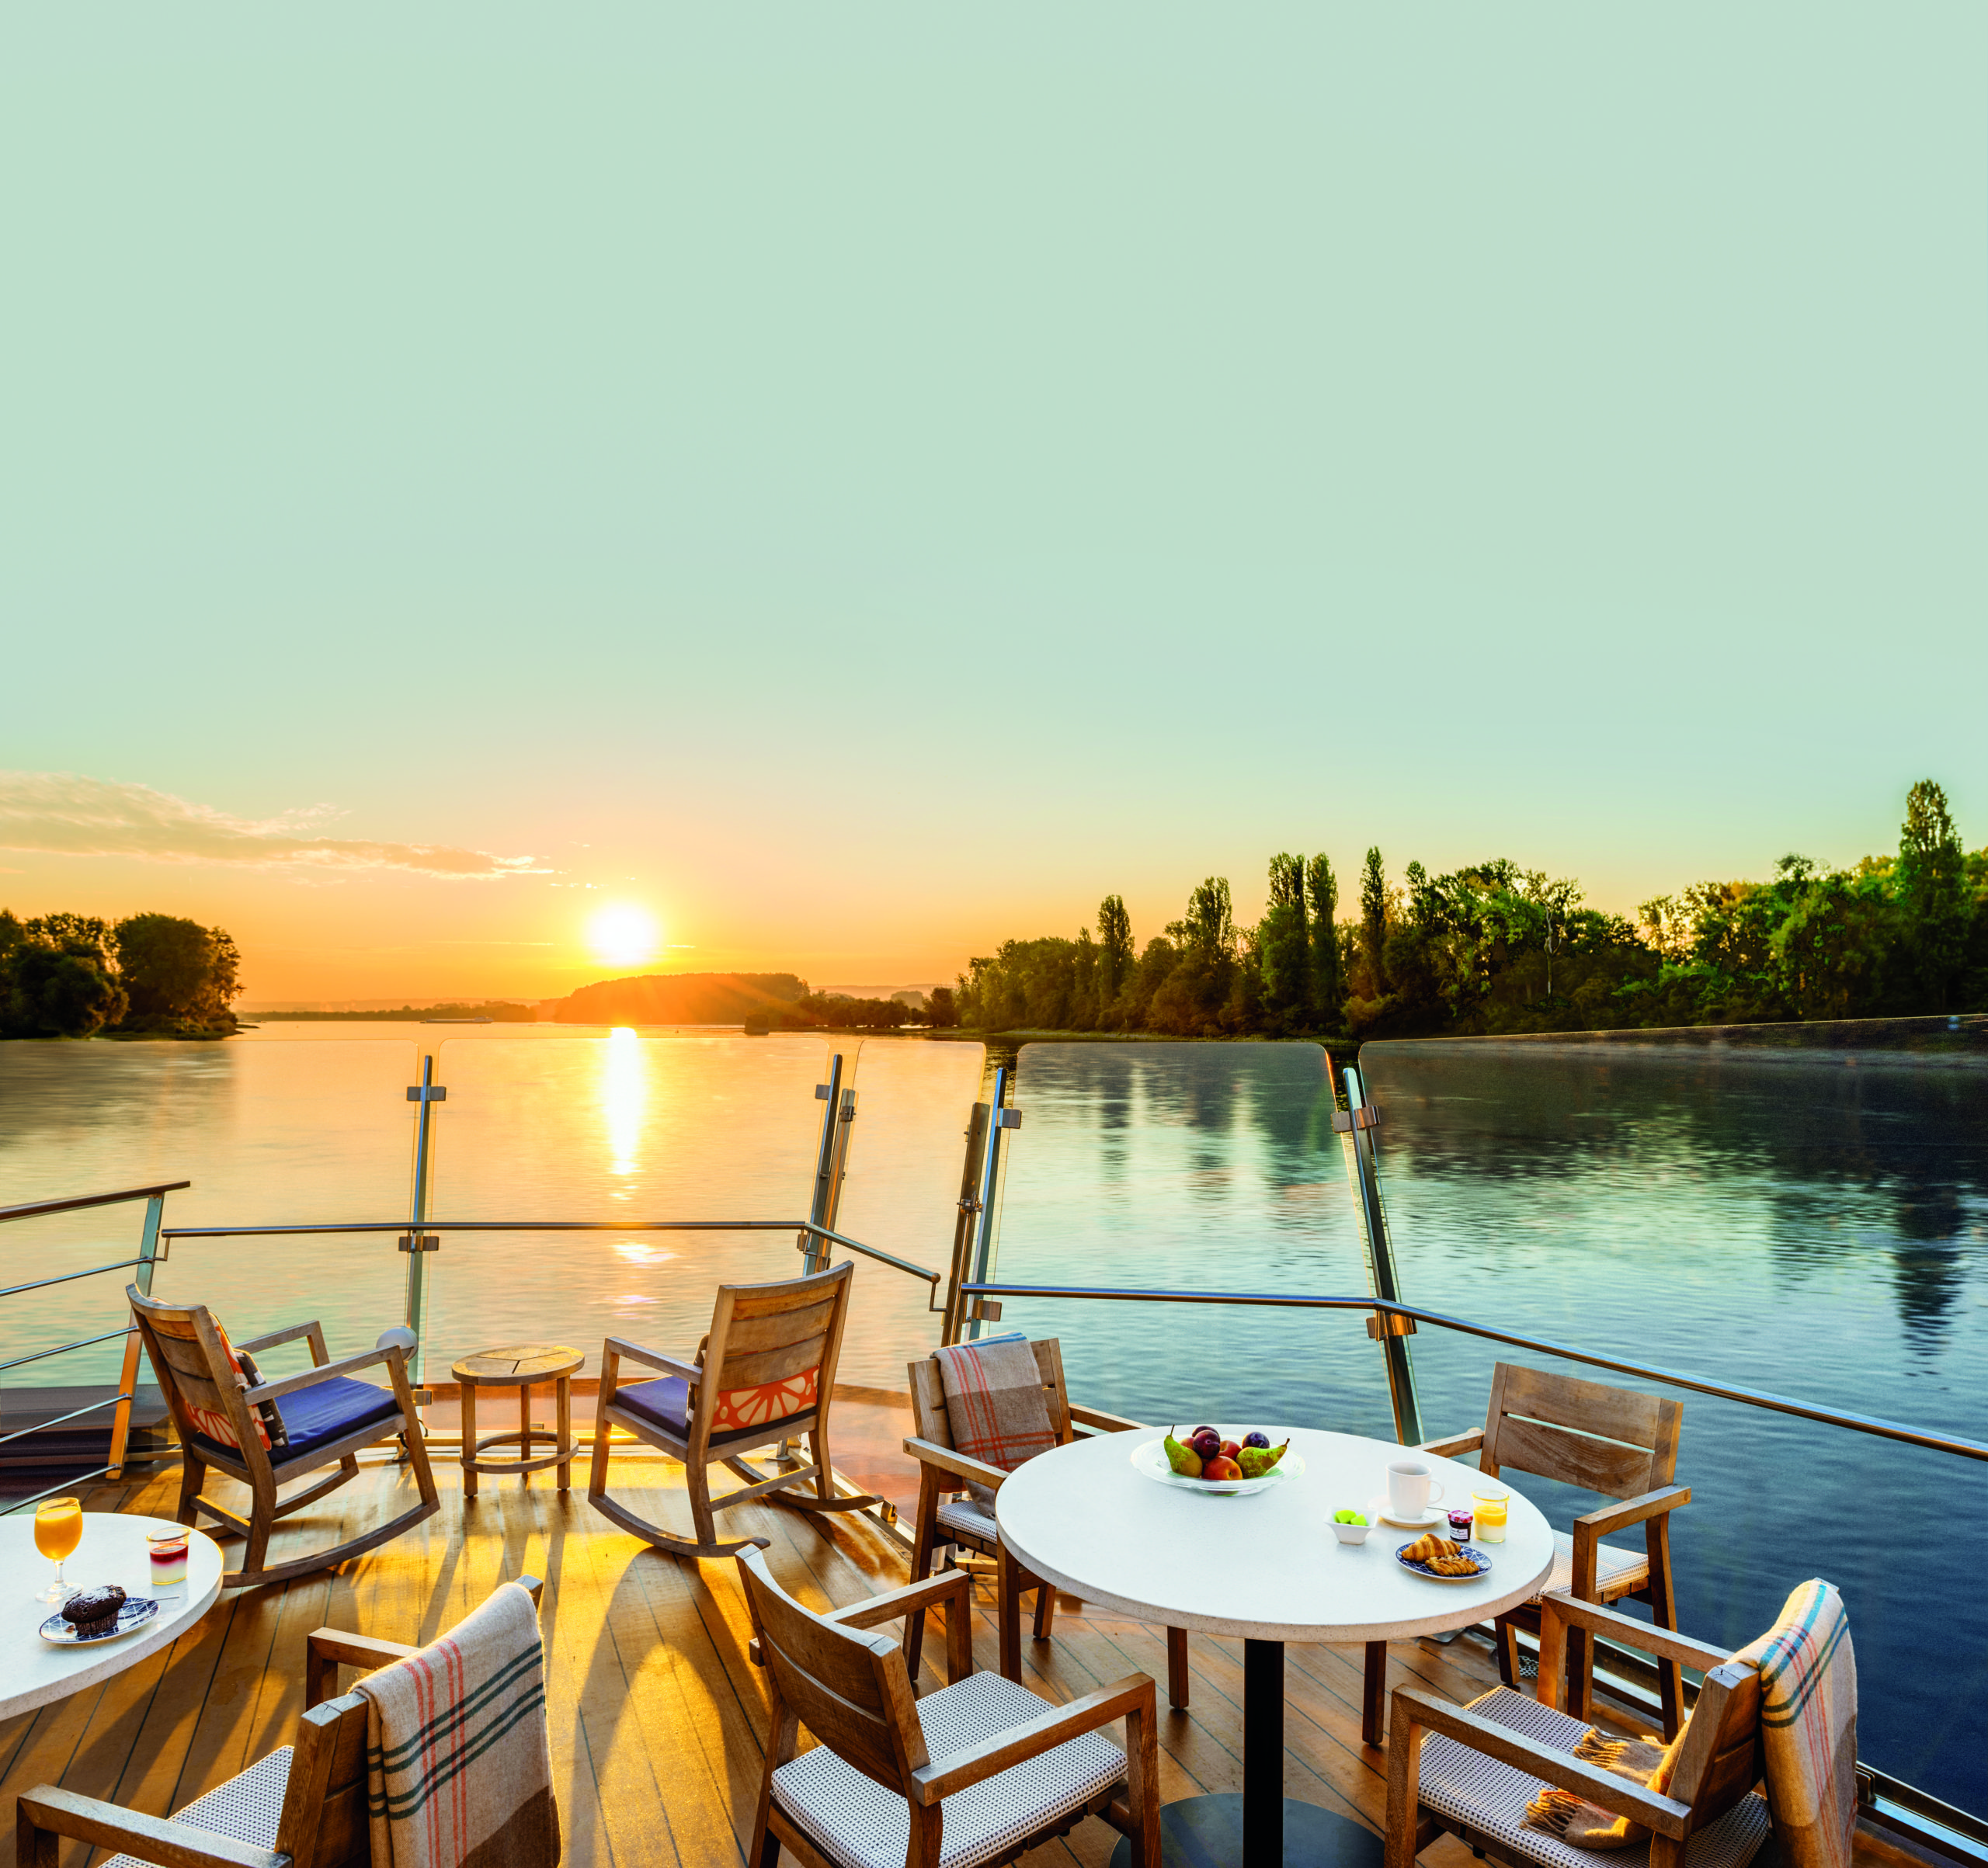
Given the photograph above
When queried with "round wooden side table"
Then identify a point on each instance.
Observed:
(519, 1365)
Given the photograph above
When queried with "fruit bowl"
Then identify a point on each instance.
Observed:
(1351, 1534)
(1151, 1460)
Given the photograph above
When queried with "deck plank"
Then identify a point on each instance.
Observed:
(658, 1718)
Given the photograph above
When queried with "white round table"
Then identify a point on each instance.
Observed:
(1265, 1567)
(33, 1671)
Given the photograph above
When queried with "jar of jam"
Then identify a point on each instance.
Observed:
(1460, 1523)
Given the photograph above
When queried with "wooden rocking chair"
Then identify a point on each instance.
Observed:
(301, 1806)
(325, 1416)
(945, 1519)
(766, 1372)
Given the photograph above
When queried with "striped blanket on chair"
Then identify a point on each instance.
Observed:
(458, 1767)
(1809, 1726)
(995, 1403)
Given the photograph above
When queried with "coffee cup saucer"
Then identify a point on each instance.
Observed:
(1431, 1516)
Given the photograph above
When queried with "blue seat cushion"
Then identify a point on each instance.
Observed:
(319, 1416)
(665, 1403)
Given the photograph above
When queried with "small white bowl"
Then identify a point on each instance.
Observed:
(1351, 1533)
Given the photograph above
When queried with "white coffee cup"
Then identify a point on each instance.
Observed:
(1410, 1489)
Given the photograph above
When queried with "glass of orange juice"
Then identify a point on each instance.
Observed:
(58, 1529)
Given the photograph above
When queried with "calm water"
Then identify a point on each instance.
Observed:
(1801, 1226)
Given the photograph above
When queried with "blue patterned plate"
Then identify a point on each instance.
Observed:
(1422, 1569)
(134, 1613)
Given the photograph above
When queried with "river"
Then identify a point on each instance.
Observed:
(1802, 1223)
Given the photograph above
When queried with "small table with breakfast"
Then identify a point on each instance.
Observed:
(1293, 1536)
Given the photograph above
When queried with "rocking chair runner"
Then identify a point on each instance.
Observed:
(223, 1421)
(766, 1372)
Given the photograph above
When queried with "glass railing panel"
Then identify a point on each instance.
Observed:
(1809, 1220)
(269, 1132)
(1203, 1167)
(615, 1125)
(901, 1192)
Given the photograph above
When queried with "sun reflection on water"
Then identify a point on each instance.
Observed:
(624, 1102)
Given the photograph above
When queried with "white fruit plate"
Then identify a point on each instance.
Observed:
(1151, 1460)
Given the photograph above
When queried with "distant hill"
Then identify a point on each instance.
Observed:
(679, 999)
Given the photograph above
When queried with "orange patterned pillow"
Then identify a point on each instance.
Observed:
(216, 1427)
(771, 1401)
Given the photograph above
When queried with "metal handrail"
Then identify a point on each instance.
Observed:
(63, 1348)
(402, 1226)
(35, 1209)
(67, 1277)
(1756, 1397)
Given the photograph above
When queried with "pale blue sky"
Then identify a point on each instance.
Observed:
(879, 477)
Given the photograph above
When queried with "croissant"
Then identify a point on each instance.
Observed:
(1453, 1566)
(1426, 1550)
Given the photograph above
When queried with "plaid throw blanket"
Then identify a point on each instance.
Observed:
(1809, 1726)
(1587, 1825)
(995, 1403)
(458, 1768)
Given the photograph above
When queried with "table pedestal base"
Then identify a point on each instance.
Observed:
(1206, 1832)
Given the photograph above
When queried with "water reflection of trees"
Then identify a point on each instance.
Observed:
(1909, 1138)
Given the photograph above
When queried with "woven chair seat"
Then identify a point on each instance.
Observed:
(245, 1809)
(1490, 1797)
(966, 1517)
(1616, 1571)
(858, 1823)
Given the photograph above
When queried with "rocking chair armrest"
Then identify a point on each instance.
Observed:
(961, 1465)
(1104, 1422)
(152, 1838)
(1057, 1725)
(296, 1333)
(325, 1371)
(908, 1600)
(1621, 1516)
(1619, 1795)
(1660, 1643)
(654, 1359)
(1455, 1445)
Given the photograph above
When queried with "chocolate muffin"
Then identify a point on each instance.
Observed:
(94, 1611)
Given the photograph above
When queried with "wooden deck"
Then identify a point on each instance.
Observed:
(657, 1718)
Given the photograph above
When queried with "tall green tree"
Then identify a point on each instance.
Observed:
(1373, 926)
(60, 983)
(1322, 901)
(1115, 951)
(1931, 883)
(1283, 949)
(176, 974)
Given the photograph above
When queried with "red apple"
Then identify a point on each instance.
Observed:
(1221, 1467)
(1231, 1448)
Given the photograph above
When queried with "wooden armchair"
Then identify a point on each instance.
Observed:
(766, 1372)
(1471, 1769)
(945, 1519)
(852, 1692)
(1609, 1440)
(302, 1806)
(223, 1421)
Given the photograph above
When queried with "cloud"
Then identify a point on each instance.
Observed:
(61, 813)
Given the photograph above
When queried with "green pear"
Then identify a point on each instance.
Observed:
(1184, 1460)
(1257, 1460)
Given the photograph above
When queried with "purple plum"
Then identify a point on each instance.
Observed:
(1258, 1439)
(1208, 1443)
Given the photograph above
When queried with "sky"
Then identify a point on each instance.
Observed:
(856, 485)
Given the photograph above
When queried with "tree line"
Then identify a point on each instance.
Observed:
(1494, 948)
(74, 976)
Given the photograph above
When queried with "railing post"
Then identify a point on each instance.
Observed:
(999, 1116)
(120, 1420)
(427, 1094)
(827, 1183)
(1357, 1124)
(963, 1224)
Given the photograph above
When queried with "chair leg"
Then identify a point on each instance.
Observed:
(597, 1465)
(697, 1483)
(1404, 1793)
(1373, 1694)
(1008, 1609)
(1045, 1610)
(193, 1475)
(563, 1405)
(1506, 1639)
(1176, 1669)
(924, 1535)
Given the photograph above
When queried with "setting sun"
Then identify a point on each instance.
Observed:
(623, 936)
